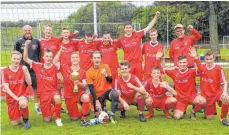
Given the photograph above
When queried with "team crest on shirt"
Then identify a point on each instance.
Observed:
(42, 70)
(10, 76)
(34, 47)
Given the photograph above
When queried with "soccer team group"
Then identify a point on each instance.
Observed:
(47, 66)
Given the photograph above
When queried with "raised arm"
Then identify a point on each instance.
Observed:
(57, 57)
(193, 54)
(25, 56)
(152, 23)
(196, 35)
(27, 76)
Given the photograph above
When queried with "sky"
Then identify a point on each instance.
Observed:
(31, 11)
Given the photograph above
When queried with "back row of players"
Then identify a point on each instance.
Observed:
(98, 73)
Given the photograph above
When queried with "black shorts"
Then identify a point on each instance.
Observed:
(34, 81)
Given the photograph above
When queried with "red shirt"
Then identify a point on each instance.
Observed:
(184, 82)
(71, 46)
(109, 55)
(46, 78)
(180, 46)
(16, 82)
(66, 71)
(127, 93)
(154, 91)
(132, 46)
(85, 51)
(211, 79)
(150, 52)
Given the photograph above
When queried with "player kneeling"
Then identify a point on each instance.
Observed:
(46, 74)
(157, 91)
(132, 92)
(74, 90)
(14, 78)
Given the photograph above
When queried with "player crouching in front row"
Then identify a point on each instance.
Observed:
(131, 91)
(14, 78)
(46, 75)
(157, 90)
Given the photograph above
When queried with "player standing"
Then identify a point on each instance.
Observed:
(130, 42)
(13, 79)
(46, 74)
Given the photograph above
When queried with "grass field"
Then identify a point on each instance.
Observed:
(157, 125)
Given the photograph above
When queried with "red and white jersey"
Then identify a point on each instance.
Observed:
(211, 79)
(15, 80)
(66, 71)
(46, 78)
(85, 50)
(149, 51)
(127, 93)
(154, 91)
(70, 47)
(51, 44)
(184, 82)
(132, 46)
(109, 55)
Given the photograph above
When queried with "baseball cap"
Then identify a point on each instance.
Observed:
(178, 26)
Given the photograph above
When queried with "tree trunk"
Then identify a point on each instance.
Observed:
(213, 28)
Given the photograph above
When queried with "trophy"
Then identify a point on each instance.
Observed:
(75, 76)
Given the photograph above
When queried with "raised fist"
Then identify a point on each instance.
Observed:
(28, 42)
(190, 27)
(158, 13)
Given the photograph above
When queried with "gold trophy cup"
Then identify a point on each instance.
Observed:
(75, 76)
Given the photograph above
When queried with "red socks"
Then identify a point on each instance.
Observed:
(58, 110)
(25, 112)
(85, 110)
(198, 107)
(141, 103)
(224, 111)
(170, 105)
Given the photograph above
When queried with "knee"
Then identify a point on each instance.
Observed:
(173, 100)
(22, 104)
(85, 98)
(75, 118)
(15, 123)
(47, 119)
(209, 117)
(178, 117)
(57, 99)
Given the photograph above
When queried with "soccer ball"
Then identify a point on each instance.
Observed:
(103, 117)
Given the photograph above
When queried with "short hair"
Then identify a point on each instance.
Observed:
(152, 30)
(124, 63)
(209, 53)
(155, 68)
(181, 57)
(16, 52)
(26, 26)
(106, 32)
(88, 33)
(65, 28)
(47, 50)
(96, 52)
(74, 53)
(128, 23)
(48, 25)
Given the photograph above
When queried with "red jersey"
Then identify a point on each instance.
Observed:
(16, 82)
(180, 46)
(184, 82)
(211, 79)
(150, 52)
(127, 93)
(85, 50)
(154, 91)
(66, 71)
(71, 46)
(132, 46)
(46, 78)
(109, 55)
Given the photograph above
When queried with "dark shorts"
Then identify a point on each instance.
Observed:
(34, 81)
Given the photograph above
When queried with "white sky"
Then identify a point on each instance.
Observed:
(45, 11)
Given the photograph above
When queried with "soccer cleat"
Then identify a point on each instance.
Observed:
(193, 115)
(113, 120)
(225, 122)
(149, 115)
(63, 111)
(142, 118)
(123, 114)
(59, 123)
(38, 111)
(167, 114)
(26, 125)
(84, 123)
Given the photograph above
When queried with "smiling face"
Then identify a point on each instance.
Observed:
(106, 39)
(75, 59)
(124, 69)
(16, 59)
(128, 29)
(153, 36)
(48, 56)
(156, 74)
(209, 60)
(182, 64)
(48, 31)
(96, 59)
(27, 31)
(65, 33)
(180, 32)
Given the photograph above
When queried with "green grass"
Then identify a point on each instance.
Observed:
(157, 125)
